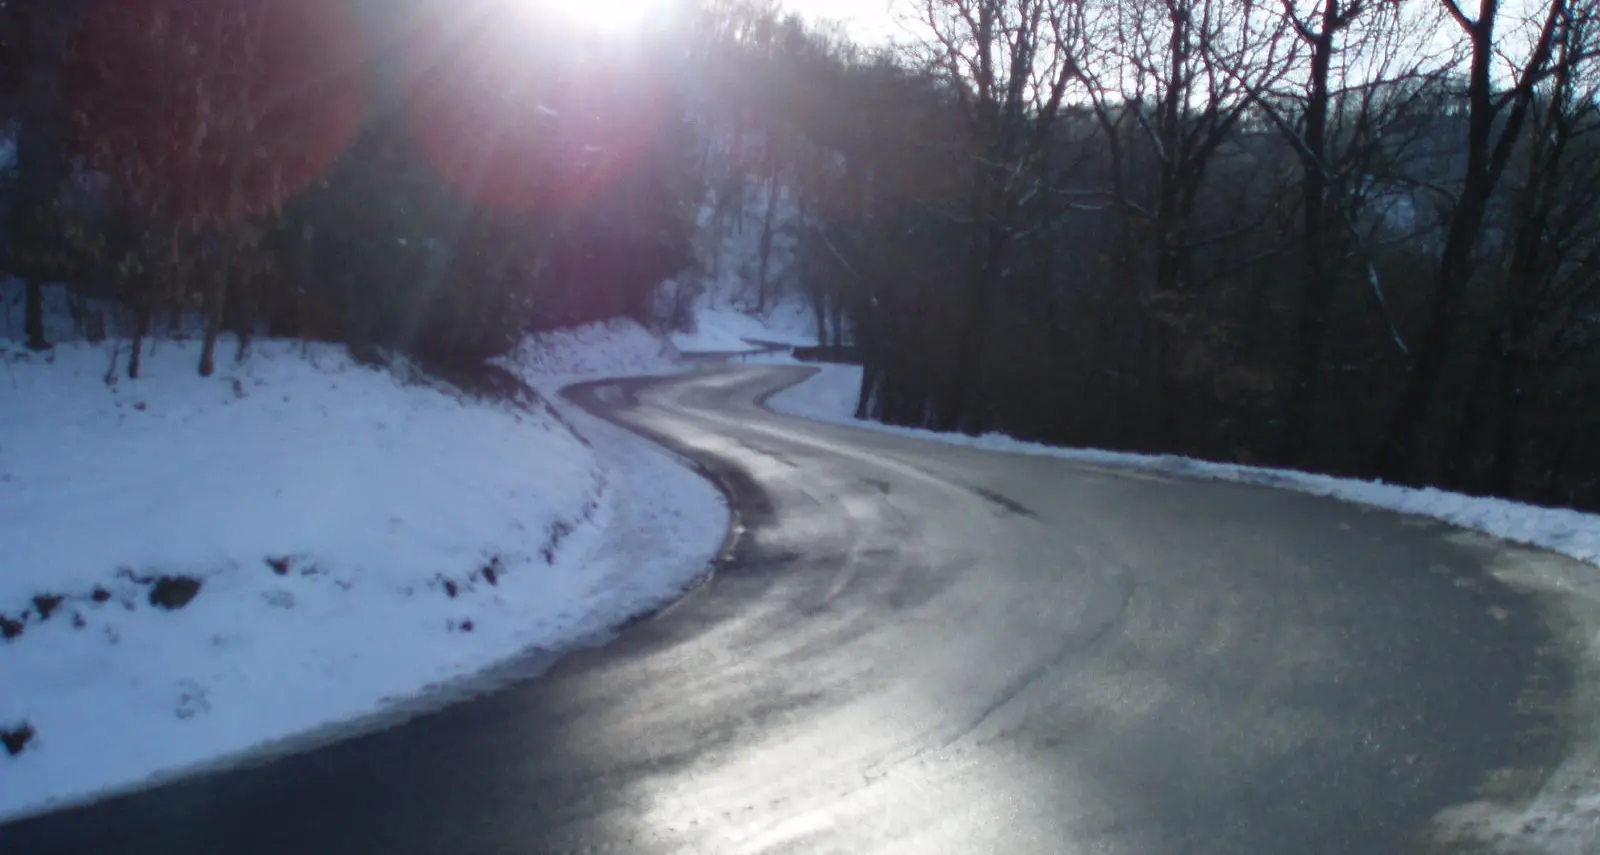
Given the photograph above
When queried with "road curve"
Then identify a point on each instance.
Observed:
(920, 648)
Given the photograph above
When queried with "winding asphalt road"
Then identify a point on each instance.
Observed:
(925, 649)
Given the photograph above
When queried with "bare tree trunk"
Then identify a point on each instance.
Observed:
(1463, 460)
(141, 328)
(245, 307)
(1170, 225)
(820, 310)
(963, 410)
(766, 246)
(836, 311)
(1010, 62)
(218, 300)
(45, 27)
(33, 315)
(1450, 282)
(1313, 326)
(1486, 159)
(1503, 463)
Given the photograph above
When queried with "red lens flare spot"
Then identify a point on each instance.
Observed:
(207, 112)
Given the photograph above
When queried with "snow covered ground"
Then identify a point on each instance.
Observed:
(192, 568)
(612, 349)
(726, 326)
(729, 250)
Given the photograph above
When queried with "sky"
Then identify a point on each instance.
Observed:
(867, 21)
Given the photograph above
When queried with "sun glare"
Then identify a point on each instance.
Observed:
(603, 16)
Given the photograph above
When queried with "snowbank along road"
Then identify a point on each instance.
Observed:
(923, 648)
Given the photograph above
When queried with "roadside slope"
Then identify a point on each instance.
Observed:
(926, 648)
(196, 569)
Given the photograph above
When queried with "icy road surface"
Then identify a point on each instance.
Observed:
(924, 648)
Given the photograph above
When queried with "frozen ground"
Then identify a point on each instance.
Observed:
(611, 349)
(724, 326)
(1564, 816)
(729, 248)
(301, 540)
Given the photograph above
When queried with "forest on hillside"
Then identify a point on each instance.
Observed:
(1350, 236)
(406, 176)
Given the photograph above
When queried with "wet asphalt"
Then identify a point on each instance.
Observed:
(919, 648)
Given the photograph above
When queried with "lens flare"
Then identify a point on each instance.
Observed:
(512, 117)
(601, 16)
(205, 112)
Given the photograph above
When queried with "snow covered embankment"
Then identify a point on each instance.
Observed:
(732, 327)
(666, 522)
(190, 568)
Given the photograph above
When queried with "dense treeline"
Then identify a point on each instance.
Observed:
(1352, 236)
(418, 177)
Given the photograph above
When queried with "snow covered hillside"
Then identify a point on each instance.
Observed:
(614, 349)
(190, 568)
(747, 284)
(724, 326)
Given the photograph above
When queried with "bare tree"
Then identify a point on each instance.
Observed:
(1008, 64)
(1336, 109)
(206, 119)
(1176, 76)
(43, 28)
(1555, 246)
(1495, 120)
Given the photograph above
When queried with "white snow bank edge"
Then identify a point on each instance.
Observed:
(515, 667)
(1571, 533)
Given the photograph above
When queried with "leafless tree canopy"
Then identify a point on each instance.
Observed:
(1349, 235)
(1354, 236)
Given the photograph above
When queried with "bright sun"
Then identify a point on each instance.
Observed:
(605, 16)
